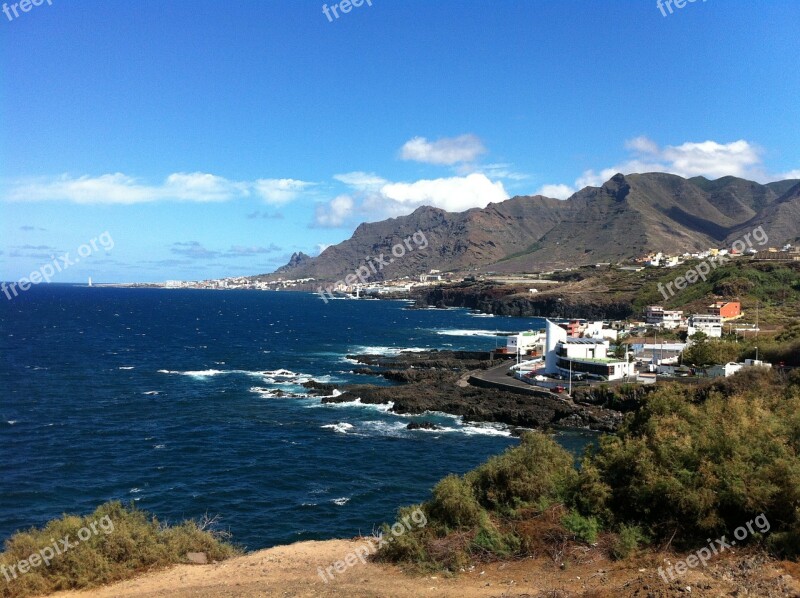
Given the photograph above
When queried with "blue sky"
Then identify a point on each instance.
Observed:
(215, 138)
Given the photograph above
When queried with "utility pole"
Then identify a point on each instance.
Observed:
(570, 379)
(653, 352)
(756, 330)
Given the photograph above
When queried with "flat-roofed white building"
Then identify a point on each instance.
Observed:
(658, 316)
(565, 354)
(708, 324)
(598, 330)
(524, 342)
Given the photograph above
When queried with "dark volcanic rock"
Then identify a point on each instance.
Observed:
(504, 301)
(432, 389)
(317, 388)
(422, 426)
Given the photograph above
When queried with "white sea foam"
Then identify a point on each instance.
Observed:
(486, 429)
(393, 429)
(462, 332)
(383, 407)
(341, 501)
(272, 393)
(340, 427)
(126, 367)
(150, 392)
(267, 393)
(280, 376)
(379, 350)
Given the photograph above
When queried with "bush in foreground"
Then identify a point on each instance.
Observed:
(120, 543)
(691, 463)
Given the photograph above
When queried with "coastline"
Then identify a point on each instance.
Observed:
(292, 570)
(439, 381)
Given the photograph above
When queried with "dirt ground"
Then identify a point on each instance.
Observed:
(293, 571)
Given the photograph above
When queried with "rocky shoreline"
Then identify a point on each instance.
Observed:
(437, 381)
(504, 300)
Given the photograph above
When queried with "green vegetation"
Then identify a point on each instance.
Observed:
(692, 462)
(784, 348)
(774, 286)
(125, 542)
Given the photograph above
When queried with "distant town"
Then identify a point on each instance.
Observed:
(405, 284)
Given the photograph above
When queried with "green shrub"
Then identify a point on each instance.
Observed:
(125, 543)
(583, 528)
(627, 542)
(536, 471)
(454, 505)
(491, 540)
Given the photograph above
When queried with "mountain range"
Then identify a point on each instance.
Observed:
(627, 217)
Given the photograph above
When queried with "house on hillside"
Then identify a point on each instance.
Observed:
(727, 310)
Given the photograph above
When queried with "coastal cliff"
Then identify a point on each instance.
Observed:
(508, 301)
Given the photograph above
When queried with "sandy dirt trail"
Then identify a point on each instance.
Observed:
(293, 571)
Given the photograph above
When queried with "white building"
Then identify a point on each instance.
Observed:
(658, 353)
(598, 330)
(524, 342)
(730, 368)
(658, 316)
(723, 371)
(565, 355)
(708, 324)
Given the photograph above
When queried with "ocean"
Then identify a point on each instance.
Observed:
(169, 399)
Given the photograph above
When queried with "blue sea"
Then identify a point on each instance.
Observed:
(168, 398)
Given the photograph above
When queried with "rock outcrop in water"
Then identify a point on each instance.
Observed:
(436, 381)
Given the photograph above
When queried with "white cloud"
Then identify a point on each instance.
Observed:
(642, 145)
(336, 212)
(792, 174)
(361, 180)
(556, 191)
(712, 159)
(447, 151)
(119, 188)
(707, 158)
(198, 186)
(280, 191)
(454, 194)
(496, 171)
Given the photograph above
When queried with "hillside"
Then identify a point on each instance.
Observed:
(617, 294)
(626, 217)
(455, 240)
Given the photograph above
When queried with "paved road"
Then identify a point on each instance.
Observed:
(497, 376)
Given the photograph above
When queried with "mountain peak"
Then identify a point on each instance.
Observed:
(627, 217)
